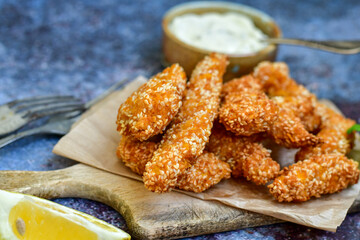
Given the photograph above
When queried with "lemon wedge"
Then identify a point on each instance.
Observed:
(27, 217)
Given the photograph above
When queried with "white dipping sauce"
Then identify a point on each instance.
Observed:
(230, 33)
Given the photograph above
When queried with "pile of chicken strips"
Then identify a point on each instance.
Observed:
(192, 134)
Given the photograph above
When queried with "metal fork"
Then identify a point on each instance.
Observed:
(60, 124)
(18, 113)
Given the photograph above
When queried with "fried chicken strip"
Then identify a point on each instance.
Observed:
(246, 110)
(245, 155)
(297, 113)
(246, 113)
(206, 172)
(288, 130)
(151, 108)
(185, 140)
(135, 154)
(322, 174)
(333, 132)
(202, 92)
(276, 81)
(304, 107)
(246, 83)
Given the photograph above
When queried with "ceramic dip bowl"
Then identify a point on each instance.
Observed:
(187, 55)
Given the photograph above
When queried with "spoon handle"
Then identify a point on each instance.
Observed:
(342, 47)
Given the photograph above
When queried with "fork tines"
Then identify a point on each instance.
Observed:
(39, 100)
(18, 113)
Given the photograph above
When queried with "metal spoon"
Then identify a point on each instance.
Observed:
(342, 47)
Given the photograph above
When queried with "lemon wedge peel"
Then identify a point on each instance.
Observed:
(28, 217)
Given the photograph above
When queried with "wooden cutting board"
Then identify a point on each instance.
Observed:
(148, 215)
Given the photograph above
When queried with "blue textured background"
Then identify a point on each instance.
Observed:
(82, 47)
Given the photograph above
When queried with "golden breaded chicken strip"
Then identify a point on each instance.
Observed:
(276, 81)
(245, 83)
(246, 156)
(135, 154)
(304, 107)
(203, 89)
(322, 174)
(246, 113)
(206, 172)
(333, 132)
(185, 140)
(150, 109)
(287, 130)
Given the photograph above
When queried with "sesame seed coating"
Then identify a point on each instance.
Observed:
(151, 108)
(276, 81)
(259, 167)
(202, 92)
(186, 138)
(288, 129)
(245, 83)
(206, 172)
(333, 134)
(247, 109)
(246, 113)
(275, 78)
(135, 154)
(266, 101)
(246, 156)
(304, 107)
(322, 174)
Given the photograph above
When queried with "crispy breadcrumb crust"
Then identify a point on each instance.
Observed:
(179, 159)
(150, 109)
(186, 138)
(259, 167)
(333, 132)
(305, 109)
(245, 83)
(206, 172)
(288, 130)
(202, 92)
(246, 113)
(135, 154)
(246, 156)
(322, 174)
(276, 81)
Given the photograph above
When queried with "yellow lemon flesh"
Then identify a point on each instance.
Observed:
(27, 217)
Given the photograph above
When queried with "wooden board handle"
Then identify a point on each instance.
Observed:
(76, 181)
(45, 184)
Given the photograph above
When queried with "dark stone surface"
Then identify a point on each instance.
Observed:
(82, 47)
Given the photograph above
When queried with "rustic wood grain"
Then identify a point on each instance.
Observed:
(148, 215)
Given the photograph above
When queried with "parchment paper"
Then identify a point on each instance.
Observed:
(94, 139)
